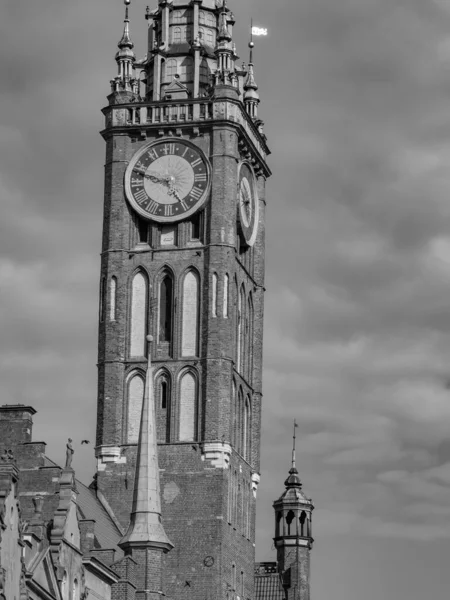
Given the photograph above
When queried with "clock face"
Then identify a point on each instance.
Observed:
(248, 204)
(168, 180)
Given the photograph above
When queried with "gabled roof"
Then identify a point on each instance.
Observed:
(106, 533)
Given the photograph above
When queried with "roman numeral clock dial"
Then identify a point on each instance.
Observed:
(167, 181)
(248, 204)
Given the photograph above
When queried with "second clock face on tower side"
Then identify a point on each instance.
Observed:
(168, 180)
(248, 204)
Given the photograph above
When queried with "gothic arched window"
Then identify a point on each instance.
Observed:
(170, 69)
(190, 312)
(102, 298)
(163, 406)
(302, 523)
(249, 338)
(138, 326)
(226, 300)
(210, 37)
(289, 518)
(242, 330)
(165, 309)
(240, 405)
(135, 396)
(188, 407)
(234, 424)
(176, 35)
(112, 299)
(214, 294)
(247, 429)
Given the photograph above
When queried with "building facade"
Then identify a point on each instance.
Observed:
(180, 340)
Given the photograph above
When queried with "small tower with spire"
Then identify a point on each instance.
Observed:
(224, 48)
(293, 535)
(145, 540)
(125, 58)
(251, 96)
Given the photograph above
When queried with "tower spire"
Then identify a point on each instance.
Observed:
(293, 534)
(146, 529)
(125, 58)
(293, 445)
(251, 96)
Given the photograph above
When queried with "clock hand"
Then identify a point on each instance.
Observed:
(173, 192)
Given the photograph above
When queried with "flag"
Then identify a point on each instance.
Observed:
(259, 31)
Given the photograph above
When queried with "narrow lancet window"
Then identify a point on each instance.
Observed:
(112, 299)
(189, 339)
(214, 294)
(134, 408)
(188, 407)
(166, 309)
(163, 407)
(138, 328)
(226, 286)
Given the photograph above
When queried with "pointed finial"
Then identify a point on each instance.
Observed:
(126, 42)
(224, 33)
(293, 445)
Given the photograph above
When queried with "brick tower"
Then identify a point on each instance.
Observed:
(293, 536)
(183, 261)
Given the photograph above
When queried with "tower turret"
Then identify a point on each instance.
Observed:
(125, 58)
(225, 50)
(293, 535)
(251, 96)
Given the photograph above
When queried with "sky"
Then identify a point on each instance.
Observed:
(356, 100)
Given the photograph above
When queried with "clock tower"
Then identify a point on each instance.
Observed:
(183, 261)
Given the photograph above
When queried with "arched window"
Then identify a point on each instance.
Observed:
(249, 339)
(302, 520)
(170, 69)
(210, 37)
(138, 327)
(243, 330)
(188, 407)
(163, 406)
(165, 309)
(190, 312)
(134, 407)
(214, 294)
(240, 421)
(289, 518)
(112, 299)
(177, 16)
(277, 527)
(226, 287)
(102, 298)
(238, 329)
(201, 16)
(234, 423)
(246, 429)
(176, 35)
(211, 20)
